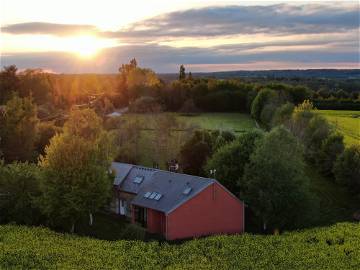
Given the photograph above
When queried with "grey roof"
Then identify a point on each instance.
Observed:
(170, 185)
(121, 171)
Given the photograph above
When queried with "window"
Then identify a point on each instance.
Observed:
(147, 194)
(158, 197)
(187, 190)
(153, 195)
(138, 179)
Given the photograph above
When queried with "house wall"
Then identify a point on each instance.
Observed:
(156, 221)
(213, 211)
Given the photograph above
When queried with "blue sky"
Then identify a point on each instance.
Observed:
(97, 36)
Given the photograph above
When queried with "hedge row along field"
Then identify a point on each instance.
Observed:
(335, 247)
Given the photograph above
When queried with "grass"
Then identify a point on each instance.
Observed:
(336, 204)
(346, 122)
(235, 122)
(335, 247)
(148, 149)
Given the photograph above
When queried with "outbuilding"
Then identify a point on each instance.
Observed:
(175, 205)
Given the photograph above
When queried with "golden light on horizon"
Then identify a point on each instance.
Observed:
(84, 46)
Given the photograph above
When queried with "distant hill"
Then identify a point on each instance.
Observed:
(275, 74)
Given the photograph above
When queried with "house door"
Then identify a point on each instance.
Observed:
(123, 206)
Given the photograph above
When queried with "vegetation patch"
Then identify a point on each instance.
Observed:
(335, 247)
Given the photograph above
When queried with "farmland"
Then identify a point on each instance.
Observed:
(335, 247)
(346, 122)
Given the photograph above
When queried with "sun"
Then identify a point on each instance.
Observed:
(84, 46)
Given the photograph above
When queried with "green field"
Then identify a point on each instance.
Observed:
(335, 247)
(147, 145)
(346, 122)
(235, 122)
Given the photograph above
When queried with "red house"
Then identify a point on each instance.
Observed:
(175, 205)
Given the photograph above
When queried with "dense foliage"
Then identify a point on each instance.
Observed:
(75, 179)
(336, 247)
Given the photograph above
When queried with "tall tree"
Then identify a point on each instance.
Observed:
(182, 74)
(275, 186)
(76, 163)
(229, 161)
(19, 129)
(347, 168)
(19, 185)
(9, 82)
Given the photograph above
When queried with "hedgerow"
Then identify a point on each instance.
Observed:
(335, 247)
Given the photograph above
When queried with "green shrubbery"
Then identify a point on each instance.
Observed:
(336, 247)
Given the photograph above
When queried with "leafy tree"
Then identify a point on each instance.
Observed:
(229, 161)
(331, 148)
(283, 114)
(19, 185)
(145, 104)
(195, 152)
(262, 98)
(317, 131)
(301, 117)
(46, 130)
(76, 181)
(19, 129)
(9, 83)
(275, 186)
(182, 74)
(347, 168)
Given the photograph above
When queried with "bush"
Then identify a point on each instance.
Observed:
(133, 232)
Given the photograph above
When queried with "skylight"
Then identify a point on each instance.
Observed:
(187, 190)
(153, 196)
(138, 179)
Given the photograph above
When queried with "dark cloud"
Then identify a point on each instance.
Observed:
(230, 20)
(48, 28)
(167, 59)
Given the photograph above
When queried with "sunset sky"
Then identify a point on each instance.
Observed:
(97, 36)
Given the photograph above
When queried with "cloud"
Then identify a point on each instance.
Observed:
(167, 59)
(279, 19)
(48, 28)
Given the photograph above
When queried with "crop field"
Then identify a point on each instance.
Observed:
(346, 122)
(335, 247)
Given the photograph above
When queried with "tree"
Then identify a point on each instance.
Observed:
(330, 149)
(19, 185)
(19, 129)
(182, 74)
(347, 168)
(315, 133)
(46, 130)
(282, 115)
(229, 161)
(275, 186)
(76, 181)
(195, 152)
(262, 98)
(9, 83)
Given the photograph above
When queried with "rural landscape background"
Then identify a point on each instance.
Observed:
(262, 96)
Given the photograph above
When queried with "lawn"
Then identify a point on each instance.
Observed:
(235, 122)
(346, 122)
(148, 150)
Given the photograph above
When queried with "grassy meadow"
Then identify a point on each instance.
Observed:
(346, 122)
(148, 142)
